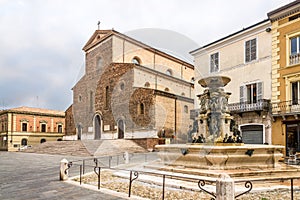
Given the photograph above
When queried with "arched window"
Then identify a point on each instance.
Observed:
(59, 128)
(136, 60)
(147, 84)
(122, 86)
(169, 72)
(141, 109)
(167, 89)
(24, 142)
(186, 109)
(43, 140)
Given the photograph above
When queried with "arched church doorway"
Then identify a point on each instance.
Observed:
(121, 129)
(97, 127)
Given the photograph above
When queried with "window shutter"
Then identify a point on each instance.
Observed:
(253, 49)
(259, 90)
(242, 93)
(247, 51)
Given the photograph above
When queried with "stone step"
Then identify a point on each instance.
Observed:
(110, 147)
(87, 147)
(75, 148)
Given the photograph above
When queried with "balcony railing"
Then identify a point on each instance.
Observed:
(286, 107)
(260, 105)
(294, 59)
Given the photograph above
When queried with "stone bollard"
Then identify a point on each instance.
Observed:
(63, 169)
(225, 188)
(126, 157)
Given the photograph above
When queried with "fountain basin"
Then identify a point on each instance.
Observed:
(220, 157)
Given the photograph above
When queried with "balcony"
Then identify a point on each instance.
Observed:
(294, 59)
(260, 105)
(239, 108)
(291, 107)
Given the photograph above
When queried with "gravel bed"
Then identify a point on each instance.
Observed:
(154, 192)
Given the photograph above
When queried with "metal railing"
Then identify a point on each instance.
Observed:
(260, 105)
(285, 107)
(201, 183)
(294, 59)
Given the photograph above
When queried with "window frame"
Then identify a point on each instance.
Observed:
(289, 55)
(250, 53)
(41, 127)
(212, 59)
(24, 123)
(244, 92)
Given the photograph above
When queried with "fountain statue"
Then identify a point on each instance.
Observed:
(217, 147)
(214, 119)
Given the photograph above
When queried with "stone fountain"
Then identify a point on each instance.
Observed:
(214, 124)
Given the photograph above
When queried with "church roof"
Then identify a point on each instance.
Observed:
(101, 35)
(30, 110)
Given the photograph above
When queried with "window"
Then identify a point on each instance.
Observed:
(24, 142)
(79, 98)
(24, 127)
(43, 128)
(167, 89)
(214, 62)
(294, 17)
(147, 84)
(186, 109)
(59, 128)
(295, 92)
(136, 60)
(295, 45)
(169, 72)
(122, 86)
(142, 108)
(251, 93)
(294, 50)
(250, 50)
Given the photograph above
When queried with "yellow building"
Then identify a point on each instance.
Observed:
(286, 76)
(22, 127)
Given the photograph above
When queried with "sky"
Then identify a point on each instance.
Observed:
(41, 41)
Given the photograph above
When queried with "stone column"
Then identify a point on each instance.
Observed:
(63, 167)
(224, 188)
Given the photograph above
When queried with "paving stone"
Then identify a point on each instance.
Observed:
(30, 176)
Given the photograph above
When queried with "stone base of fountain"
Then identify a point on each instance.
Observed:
(239, 161)
(220, 156)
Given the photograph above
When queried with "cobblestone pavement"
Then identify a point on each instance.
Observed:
(29, 176)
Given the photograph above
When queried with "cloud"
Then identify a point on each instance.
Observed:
(41, 41)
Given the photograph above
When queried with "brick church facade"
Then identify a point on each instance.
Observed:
(130, 90)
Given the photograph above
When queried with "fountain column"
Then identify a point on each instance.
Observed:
(214, 118)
